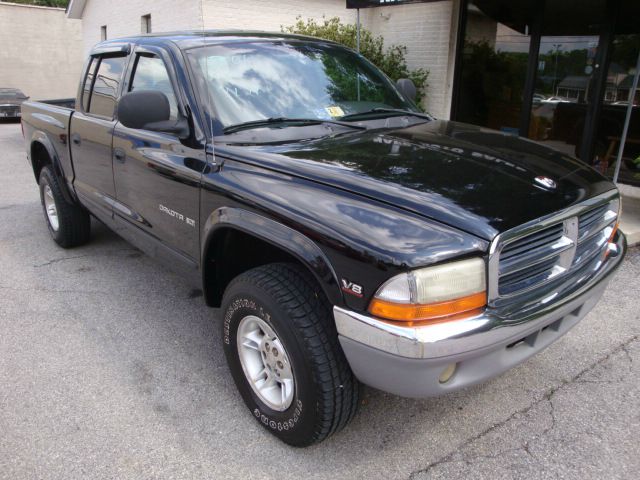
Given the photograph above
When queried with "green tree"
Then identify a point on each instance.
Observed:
(391, 60)
(42, 3)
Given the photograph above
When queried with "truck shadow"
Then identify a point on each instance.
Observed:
(189, 334)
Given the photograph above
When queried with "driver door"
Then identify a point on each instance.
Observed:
(157, 175)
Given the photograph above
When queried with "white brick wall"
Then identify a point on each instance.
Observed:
(426, 29)
(122, 17)
(271, 15)
(41, 51)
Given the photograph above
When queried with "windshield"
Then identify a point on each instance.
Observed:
(255, 81)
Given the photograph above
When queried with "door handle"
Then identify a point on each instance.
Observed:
(119, 155)
(75, 138)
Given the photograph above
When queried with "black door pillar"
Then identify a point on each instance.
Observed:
(532, 68)
(599, 82)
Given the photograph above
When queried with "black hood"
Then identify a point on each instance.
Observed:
(475, 179)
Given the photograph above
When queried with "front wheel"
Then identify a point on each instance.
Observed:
(282, 349)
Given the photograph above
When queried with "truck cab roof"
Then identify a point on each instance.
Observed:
(187, 39)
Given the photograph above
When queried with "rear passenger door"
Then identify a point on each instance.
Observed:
(92, 128)
(157, 175)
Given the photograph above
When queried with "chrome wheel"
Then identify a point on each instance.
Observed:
(265, 363)
(50, 208)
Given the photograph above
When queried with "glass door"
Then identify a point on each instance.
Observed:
(624, 57)
(493, 72)
(562, 97)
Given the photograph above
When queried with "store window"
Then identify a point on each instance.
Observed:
(562, 98)
(624, 57)
(494, 66)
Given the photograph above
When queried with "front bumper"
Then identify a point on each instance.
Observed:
(408, 361)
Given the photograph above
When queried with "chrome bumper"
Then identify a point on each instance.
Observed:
(408, 361)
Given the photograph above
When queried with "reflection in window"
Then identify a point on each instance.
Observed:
(151, 74)
(256, 81)
(494, 66)
(105, 88)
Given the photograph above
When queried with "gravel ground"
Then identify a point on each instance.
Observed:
(110, 367)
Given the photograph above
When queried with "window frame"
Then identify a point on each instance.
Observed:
(92, 63)
(97, 58)
(145, 23)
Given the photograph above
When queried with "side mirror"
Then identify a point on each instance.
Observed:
(149, 110)
(407, 88)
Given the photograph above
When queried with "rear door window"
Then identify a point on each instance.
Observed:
(106, 85)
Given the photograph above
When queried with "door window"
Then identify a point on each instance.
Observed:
(106, 86)
(151, 74)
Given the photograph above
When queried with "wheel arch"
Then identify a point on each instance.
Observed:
(42, 153)
(229, 231)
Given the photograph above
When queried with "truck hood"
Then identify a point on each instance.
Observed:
(475, 179)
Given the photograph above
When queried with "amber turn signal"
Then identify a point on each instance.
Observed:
(407, 312)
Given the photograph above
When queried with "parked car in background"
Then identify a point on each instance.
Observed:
(10, 102)
(538, 98)
(624, 103)
(558, 100)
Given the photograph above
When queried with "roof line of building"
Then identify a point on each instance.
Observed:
(28, 5)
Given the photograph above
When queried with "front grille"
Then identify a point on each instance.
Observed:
(536, 253)
(10, 111)
(594, 220)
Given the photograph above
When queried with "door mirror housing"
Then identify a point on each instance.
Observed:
(407, 88)
(150, 110)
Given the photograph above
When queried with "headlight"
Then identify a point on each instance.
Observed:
(433, 293)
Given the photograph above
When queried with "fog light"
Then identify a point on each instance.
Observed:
(448, 372)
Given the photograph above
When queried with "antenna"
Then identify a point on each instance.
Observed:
(208, 114)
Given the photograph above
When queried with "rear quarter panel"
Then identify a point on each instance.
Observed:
(48, 124)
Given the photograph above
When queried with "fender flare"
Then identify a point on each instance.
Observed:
(279, 235)
(42, 138)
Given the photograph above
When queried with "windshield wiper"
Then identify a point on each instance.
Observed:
(284, 120)
(397, 111)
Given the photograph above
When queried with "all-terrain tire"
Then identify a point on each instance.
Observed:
(71, 225)
(290, 302)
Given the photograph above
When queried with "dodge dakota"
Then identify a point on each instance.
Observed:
(347, 237)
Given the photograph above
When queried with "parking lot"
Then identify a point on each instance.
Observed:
(111, 367)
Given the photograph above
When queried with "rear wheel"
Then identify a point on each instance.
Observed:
(69, 224)
(283, 352)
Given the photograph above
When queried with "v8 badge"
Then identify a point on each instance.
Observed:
(352, 288)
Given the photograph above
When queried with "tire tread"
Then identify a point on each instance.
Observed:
(297, 292)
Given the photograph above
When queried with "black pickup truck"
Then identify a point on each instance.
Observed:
(346, 236)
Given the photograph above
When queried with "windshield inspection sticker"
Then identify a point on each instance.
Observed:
(335, 111)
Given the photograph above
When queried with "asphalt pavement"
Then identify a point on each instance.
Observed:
(111, 367)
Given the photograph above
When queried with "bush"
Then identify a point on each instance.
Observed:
(390, 60)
